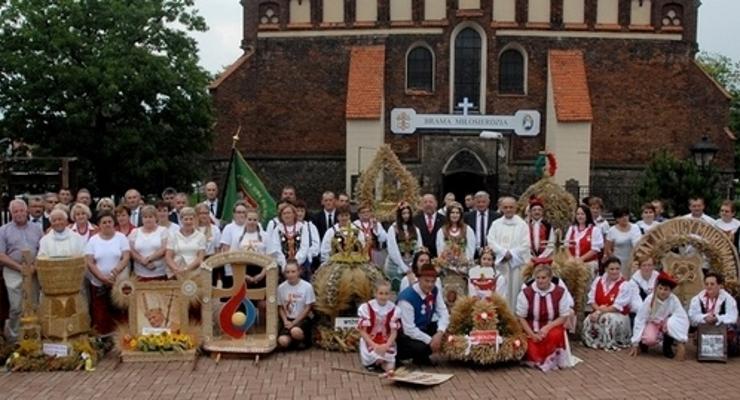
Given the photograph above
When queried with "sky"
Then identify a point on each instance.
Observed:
(719, 30)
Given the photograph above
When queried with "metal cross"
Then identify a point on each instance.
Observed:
(465, 105)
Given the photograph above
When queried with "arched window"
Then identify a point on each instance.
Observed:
(420, 69)
(467, 68)
(672, 16)
(511, 72)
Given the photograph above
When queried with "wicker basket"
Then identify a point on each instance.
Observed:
(59, 276)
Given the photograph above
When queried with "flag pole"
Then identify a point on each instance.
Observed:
(234, 140)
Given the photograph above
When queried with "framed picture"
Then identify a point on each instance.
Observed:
(158, 307)
(711, 344)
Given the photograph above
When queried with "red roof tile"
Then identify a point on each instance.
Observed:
(569, 86)
(365, 84)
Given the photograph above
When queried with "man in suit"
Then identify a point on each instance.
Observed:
(36, 213)
(480, 219)
(51, 199)
(133, 203)
(326, 218)
(429, 221)
(181, 201)
(212, 202)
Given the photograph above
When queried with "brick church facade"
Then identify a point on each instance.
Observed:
(612, 81)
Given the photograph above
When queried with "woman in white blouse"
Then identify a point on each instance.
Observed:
(456, 239)
(208, 229)
(186, 248)
(621, 239)
(148, 246)
(585, 240)
(290, 236)
(254, 239)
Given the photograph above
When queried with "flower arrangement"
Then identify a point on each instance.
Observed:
(28, 356)
(484, 331)
(163, 342)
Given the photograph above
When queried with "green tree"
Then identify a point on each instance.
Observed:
(727, 73)
(676, 181)
(113, 82)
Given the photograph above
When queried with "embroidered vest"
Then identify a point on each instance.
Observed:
(608, 298)
(543, 234)
(543, 318)
(721, 311)
(584, 245)
(380, 337)
(423, 313)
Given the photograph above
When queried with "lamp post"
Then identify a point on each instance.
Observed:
(703, 152)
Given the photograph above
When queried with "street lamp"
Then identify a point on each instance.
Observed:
(703, 152)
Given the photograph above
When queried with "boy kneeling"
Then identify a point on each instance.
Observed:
(661, 316)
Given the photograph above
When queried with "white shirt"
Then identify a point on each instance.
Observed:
(186, 248)
(107, 254)
(394, 251)
(697, 317)
(645, 227)
(729, 227)
(669, 310)
(481, 227)
(441, 242)
(231, 234)
(407, 316)
(380, 233)
(295, 298)
(213, 241)
(704, 217)
(147, 244)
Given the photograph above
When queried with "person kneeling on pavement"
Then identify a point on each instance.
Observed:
(424, 318)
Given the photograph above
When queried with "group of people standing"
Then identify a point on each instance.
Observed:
(168, 238)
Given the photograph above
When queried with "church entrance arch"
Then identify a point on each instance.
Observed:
(465, 172)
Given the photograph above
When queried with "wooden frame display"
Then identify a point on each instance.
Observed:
(159, 309)
(216, 341)
(711, 343)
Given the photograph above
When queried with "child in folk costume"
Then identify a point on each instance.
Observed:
(643, 282)
(375, 235)
(484, 280)
(608, 324)
(543, 308)
(378, 327)
(585, 240)
(342, 237)
(295, 300)
(661, 316)
(714, 306)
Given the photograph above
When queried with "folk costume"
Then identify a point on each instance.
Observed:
(581, 241)
(611, 330)
(642, 288)
(379, 321)
(541, 234)
(343, 239)
(375, 240)
(723, 307)
(292, 241)
(664, 320)
(510, 235)
(456, 246)
(422, 316)
(538, 308)
(403, 243)
(483, 282)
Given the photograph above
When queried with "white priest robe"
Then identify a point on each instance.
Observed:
(510, 235)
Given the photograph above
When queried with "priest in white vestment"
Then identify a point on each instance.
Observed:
(60, 241)
(509, 239)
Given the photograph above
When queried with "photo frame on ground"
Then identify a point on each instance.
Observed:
(711, 343)
(157, 307)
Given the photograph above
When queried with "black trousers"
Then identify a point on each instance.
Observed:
(417, 350)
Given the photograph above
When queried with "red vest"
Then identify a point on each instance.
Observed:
(543, 316)
(380, 337)
(584, 245)
(544, 235)
(607, 299)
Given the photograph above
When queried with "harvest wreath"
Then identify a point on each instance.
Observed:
(484, 331)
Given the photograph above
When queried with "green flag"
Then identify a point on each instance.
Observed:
(242, 183)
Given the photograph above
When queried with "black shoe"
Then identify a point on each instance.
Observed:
(668, 347)
(644, 348)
